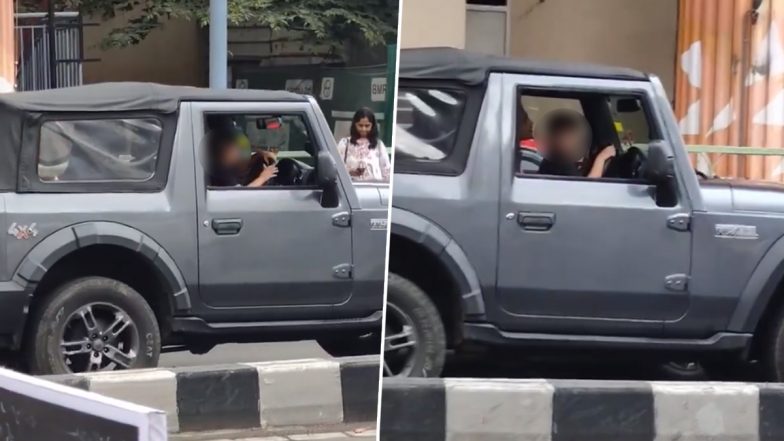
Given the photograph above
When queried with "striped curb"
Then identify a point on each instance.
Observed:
(247, 395)
(579, 410)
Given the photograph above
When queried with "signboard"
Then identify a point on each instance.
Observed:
(378, 90)
(302, 86)
(327, 88)
(35, 409)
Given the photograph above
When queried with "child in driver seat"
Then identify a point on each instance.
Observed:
(566, 141)
(229, 162)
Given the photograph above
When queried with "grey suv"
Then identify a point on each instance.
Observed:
(651, 258)
(117, 242)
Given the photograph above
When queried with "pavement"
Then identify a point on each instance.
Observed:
(245, 353)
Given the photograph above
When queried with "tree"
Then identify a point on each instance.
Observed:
(321, 21)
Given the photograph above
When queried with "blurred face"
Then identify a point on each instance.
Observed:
(566, 143)
(231, 155)
(363, 126)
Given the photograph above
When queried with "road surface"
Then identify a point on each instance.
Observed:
(245, 353)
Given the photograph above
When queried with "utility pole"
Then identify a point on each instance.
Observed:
(51, 29)
(219, 45)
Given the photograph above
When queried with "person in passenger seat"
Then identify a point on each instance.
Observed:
(229, 162)
(525, 130)
(566, 143)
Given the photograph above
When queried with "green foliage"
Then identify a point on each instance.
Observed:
(322, 21)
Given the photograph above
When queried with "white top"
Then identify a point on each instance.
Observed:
(364, 163)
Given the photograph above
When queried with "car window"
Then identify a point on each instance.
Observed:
(427, 122)
(123, 149)
(630, 121)
(240, 147)
(565, 134)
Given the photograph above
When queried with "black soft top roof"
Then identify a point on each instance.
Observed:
(124, 97)
(441, 63)
(17, 107)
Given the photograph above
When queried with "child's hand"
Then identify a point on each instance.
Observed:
(606, 153)
(267, 157)
(268, 173)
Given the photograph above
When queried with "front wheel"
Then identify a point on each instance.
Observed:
(414, 339)
(93, 324)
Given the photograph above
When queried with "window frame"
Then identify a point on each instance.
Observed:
(455, 162)
(208, 187)
(505, 9)
(30, 182)
(575, 93)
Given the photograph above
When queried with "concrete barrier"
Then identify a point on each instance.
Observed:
(312, 392)
(505, 410)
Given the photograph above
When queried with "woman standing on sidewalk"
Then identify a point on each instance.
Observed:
(364, 155)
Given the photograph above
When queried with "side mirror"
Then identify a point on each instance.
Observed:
(326, 169)
(327, 178)
(659, 170)
(659, 167)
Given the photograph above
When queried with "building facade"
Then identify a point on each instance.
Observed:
(721, 61)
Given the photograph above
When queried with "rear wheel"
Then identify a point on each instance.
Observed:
(93, 324)
(414, 340)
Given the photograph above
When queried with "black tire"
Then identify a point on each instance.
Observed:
(351, 346)
(773, 358)
(54, 317)
(683, 371)
(427, 358)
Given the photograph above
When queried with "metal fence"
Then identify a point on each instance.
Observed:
(36, 65)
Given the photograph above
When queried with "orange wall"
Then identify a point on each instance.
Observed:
(730, 82)
(6, 45)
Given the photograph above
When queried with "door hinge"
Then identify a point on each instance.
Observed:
(342, 271)
(679, 222)
(676, 282)
(342, 219)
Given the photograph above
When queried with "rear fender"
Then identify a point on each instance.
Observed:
(67, 240)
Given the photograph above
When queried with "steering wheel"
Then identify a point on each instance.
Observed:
(628, 165)
(290, 172)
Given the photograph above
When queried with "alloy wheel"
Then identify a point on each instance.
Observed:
(400, 343)
(99, 337)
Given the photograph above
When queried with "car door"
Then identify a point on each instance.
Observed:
(588, 256)
(275, 247)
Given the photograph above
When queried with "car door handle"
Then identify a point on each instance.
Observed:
(536, 221)
(226, 227)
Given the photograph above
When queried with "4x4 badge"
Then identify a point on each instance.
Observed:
(22, 232)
